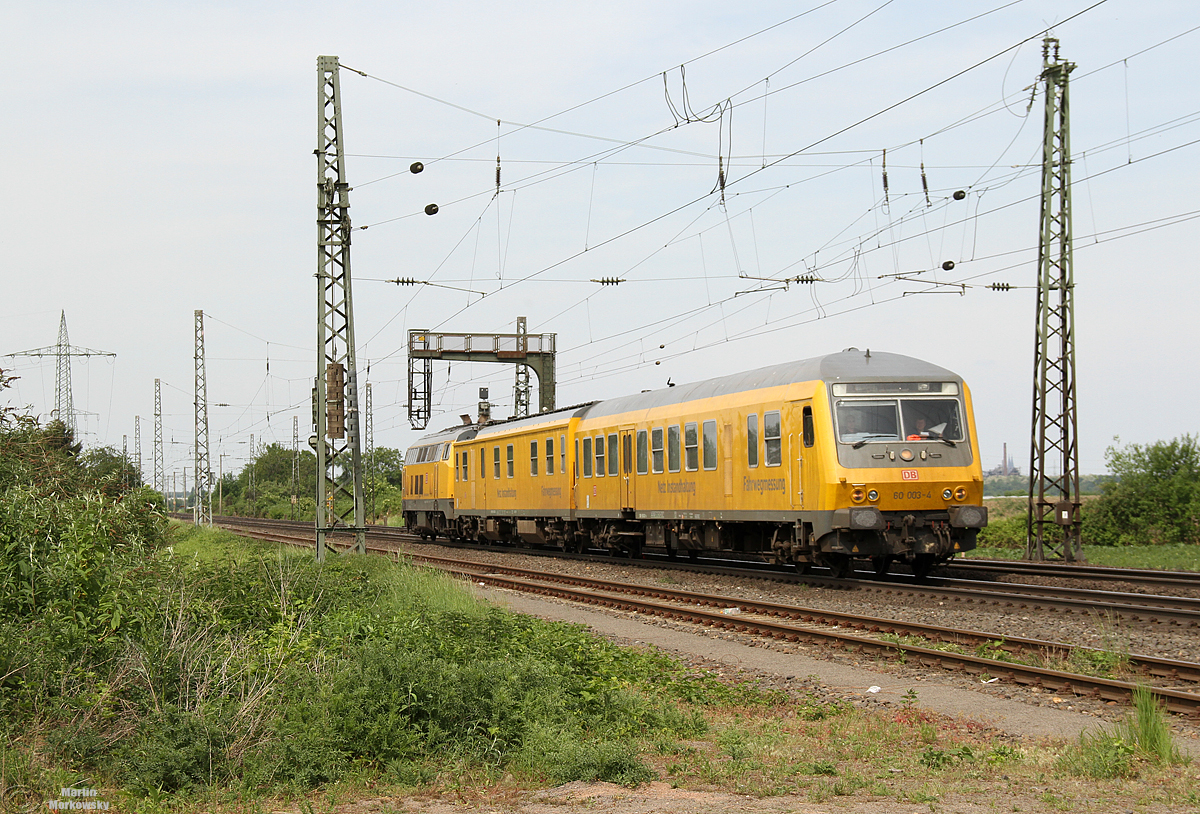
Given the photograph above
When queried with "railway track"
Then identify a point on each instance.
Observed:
(1152, 609)
(799, 624)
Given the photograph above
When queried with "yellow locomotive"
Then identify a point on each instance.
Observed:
(853, 455)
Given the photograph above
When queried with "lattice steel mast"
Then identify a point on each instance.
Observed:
(1054, 497)
(339, 456)
(137, 447)
(521, 386)
(160, 478)
(202, 505)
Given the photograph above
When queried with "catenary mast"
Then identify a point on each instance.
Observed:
(337, 443)
(1053, 521)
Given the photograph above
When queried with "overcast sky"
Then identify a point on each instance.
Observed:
(159, 160)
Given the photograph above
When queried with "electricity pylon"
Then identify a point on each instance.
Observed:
(64, 407)
(1054, 498)
(338, 448)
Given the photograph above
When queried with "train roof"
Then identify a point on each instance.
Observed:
(536, 420)
(462, 432)
(849, 365)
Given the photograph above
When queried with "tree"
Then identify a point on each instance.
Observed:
(1154, 498)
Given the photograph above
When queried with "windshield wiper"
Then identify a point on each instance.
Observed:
(948, 442)
(858, 444)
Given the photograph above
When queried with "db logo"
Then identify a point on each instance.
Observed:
(909, 474)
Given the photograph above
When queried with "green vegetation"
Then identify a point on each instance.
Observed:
(271, 495)
(1143, 739)
(1155, 498)
(255, 669)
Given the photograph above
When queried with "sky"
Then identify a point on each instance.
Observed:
(160, 161)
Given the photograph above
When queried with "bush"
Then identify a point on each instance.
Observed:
(1155, 498)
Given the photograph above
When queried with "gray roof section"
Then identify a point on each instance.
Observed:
(534, 420)
(462, 432)
(849, 365)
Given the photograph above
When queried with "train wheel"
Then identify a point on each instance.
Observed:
(838, 564)
(671, 553)
(693, 554)
(922, 565)
(881, 565)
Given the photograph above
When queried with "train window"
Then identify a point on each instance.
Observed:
(599, 456)
(627, 453)
(482, 463)
(496, 462)
(673, 448)
(587, 457)
(510, 460)
(549, 456)
(435, 452)
(931, 419)
(457, 471)
(710, 445)
(656, 449)
(863, 421)
(446, 453)
(772, 439)
(466, 465)
(643, 453)
(809, 433)
(533, 458)
(562, 453)
(752, 440)
(612, 454)
(691, 446)
(576, 459)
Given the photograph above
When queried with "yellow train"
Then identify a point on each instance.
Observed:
(852, 455)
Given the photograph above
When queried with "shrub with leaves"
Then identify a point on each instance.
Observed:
(1155, 498)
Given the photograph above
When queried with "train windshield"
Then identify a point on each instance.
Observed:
(916, 419)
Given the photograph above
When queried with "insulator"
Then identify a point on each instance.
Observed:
(416, 167)
(959, 195)
(949, 264)
(431, 209)
(609, 280)
(1001, 286)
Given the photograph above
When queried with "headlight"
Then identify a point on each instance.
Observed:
(872, 495)
(947, 494)
(857, 495)
(960, 494)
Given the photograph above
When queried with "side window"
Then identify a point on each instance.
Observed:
(612, 453)
(482, 463)
(710, 445)
(496, 462)
(562, 453)
(673, 448)
(772, 439)
(446, 453)
(466, 463)
(533, 456)
(576, 459)
(808, 427)
(587, 457)
(627, 454)
(510, 460)
(656, 449)
(691, 446)
(549, 456)
(457, 470)
(643, 452)
(599, 456)
(752, 440)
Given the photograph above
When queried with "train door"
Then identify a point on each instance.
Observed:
(799, 423)
(628, 490)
